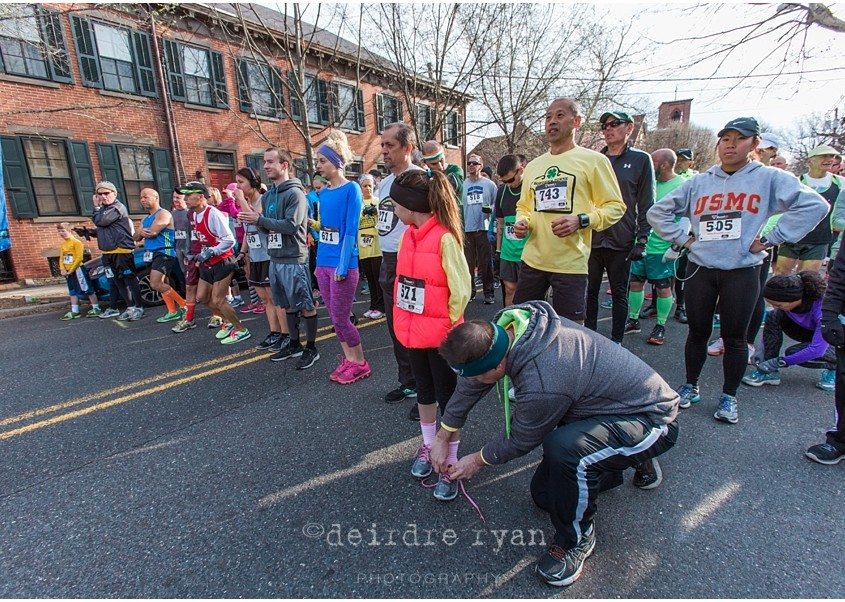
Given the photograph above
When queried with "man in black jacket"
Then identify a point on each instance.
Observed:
(833, 331)
(613, 249)
(114, 238)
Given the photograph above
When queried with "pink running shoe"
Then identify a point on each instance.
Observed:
(354, 372)
(259, 309)
(247, 308)
(340, 368)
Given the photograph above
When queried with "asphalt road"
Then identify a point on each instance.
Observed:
(139, 463)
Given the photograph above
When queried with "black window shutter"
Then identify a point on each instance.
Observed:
(380, 112)
(278, 93)
(323, 101)
(144, 64)
(243, 87)
(110, 168)
(163, 175)
(16, 179)
(256, 162)
(173, 59)
(295, 105)
(83, 174)
(399, 111)
(360, 123)
(336, 115)
(221, 95)
(86, 52)
(50, 24)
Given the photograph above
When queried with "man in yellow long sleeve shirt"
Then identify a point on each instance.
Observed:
(567, 193)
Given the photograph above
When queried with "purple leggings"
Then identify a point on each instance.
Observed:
(338, 296)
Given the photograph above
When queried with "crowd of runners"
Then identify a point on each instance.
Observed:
(745, 247)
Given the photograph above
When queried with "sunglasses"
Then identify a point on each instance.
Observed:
(106, 193)
(473, 163)
(611, 124)
(509, 180)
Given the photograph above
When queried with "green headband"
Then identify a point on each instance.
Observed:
(434, 157)
(492, 358)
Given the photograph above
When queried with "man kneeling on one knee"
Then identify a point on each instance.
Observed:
(596, 409)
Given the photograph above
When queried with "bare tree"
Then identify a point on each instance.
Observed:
(813, 130)
(530, 50)
(432, 47)
(701, 140)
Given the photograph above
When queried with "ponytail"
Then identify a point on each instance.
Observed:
(444, 204)
(814, 285)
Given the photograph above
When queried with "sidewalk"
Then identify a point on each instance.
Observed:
(30, 300)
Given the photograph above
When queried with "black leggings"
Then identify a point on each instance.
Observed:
(760, 306)
(618, 270)
(736, 292)
(436, 381)
(778, 324)
(681, 271)
(370, 268)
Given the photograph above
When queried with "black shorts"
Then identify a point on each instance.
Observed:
(219, 271)
(162, 263)
(569, 291)
(803, 252)
(259, 273)
(119, 265)
(509, 270)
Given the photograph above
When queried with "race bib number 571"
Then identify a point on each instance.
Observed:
(411, 294)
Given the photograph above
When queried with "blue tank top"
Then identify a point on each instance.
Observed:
(163, 242)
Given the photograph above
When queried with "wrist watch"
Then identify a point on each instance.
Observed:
(583, 220)
(766, 242)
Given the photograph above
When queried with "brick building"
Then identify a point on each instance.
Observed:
(151, 95)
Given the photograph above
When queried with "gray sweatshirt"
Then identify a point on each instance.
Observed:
(562, 372)
(286, 213)
(741, 201)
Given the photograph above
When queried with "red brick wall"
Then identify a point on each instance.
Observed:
(94, 116)
(664, 112)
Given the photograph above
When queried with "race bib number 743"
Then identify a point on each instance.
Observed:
(551, 197)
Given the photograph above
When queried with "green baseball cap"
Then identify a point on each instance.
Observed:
(746, 126)
(620, 115)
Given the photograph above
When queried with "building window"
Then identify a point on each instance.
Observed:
(260, 89)
(389, 110)
(32, 43)
(451, 129)
(114, 58)
(316, 96)
(348, 106)
(354, 169)
(198, 83)
(424, 115)
(49, 172)
(137, 171)
(676, 115)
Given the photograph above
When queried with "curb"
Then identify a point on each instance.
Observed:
(32, 309)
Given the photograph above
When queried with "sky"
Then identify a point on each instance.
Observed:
(677, 67)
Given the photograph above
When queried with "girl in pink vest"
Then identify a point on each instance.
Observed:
(431, 291)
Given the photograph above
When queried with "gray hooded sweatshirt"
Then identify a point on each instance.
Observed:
(286, 212)
(744, 200)
(562, 372)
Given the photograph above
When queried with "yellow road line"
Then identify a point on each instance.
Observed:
(157, 389)
(133, 385)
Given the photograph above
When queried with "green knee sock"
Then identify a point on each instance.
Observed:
(635, 304)
(664, 307)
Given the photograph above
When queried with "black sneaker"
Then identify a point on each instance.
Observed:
(282, 342)
(632, 326)
(488, 300)
(561, 567)
(658, 335)
(826, 453)
(268, 341)
(414, 414)
(307, 358)
(648, 312)
(286, 352)
(648, 474)
(681, 314)
(400, 393)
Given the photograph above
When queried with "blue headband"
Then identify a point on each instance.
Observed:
(330, 154)
(488, 361)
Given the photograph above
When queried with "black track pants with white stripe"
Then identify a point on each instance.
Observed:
(566, 483)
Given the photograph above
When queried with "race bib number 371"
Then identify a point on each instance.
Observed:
(411, 294)
(720, 226)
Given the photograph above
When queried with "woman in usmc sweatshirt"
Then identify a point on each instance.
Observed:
(728, 206)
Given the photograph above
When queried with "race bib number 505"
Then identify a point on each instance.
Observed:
(720, 226)
(411, 295)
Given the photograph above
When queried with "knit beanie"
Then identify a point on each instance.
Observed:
(784, 288)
